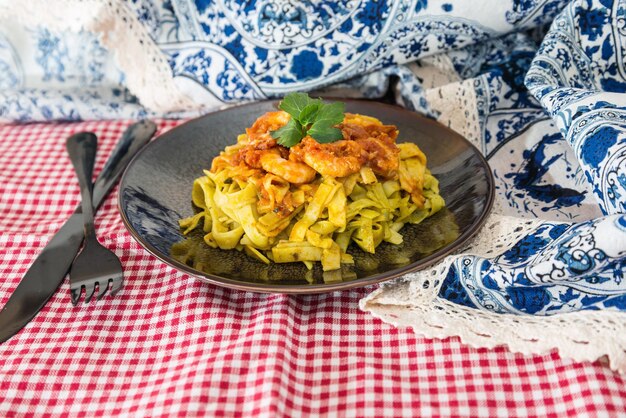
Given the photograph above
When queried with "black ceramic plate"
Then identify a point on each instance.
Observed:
(155, 193)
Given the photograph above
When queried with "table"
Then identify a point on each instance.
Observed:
(169, 345)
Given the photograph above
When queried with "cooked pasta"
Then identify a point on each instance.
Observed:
(308, 203)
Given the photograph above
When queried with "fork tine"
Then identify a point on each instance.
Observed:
(89, 291)
(118, 283)
(75, 294)
(102, 289)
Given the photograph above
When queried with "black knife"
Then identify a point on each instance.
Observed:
(47, 272)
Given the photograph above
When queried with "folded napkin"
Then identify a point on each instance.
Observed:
(538, 86)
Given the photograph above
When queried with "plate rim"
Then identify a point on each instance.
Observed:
(420, 264)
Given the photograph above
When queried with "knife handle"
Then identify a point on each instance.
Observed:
(133, 139)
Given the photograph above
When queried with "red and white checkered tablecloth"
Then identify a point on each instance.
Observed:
(169, 345)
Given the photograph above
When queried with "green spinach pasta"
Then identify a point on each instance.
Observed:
(307, 203)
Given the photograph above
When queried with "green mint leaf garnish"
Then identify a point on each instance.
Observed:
(327, 117)
(309, 113)
(331, 113)
(290, 134)
(294, 103)
(309, 117)
(324, 132)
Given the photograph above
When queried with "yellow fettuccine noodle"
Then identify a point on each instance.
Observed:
(247, 208)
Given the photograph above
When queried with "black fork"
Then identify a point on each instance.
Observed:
(95, 265)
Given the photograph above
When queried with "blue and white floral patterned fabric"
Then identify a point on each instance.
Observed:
(539, 86)
(227, 51)
(578, 74)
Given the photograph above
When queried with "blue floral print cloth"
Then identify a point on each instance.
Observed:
(538, 85)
